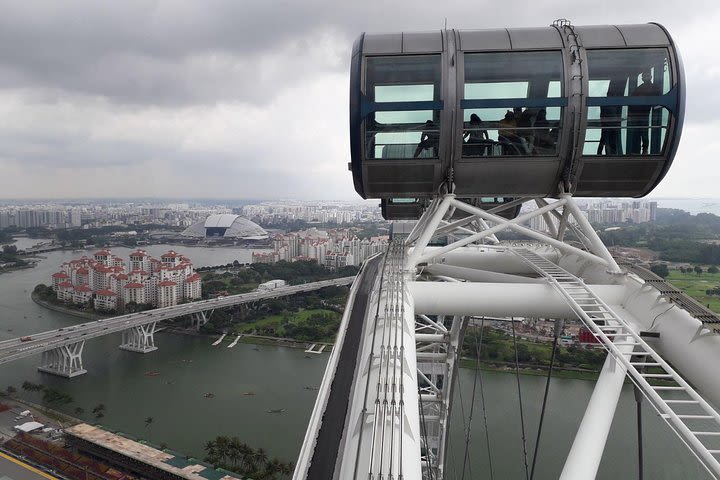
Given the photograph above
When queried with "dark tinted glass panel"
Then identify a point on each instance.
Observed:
(627, 76)
(626, 130)
(536, 132)
(398, 129)
(497, 121)
(619, 73)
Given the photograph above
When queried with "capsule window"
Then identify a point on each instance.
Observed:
(512, 103)
(630, 102)
(403, 94)
(621, 131)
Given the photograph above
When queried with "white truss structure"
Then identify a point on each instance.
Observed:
(473, 275)
(422, 299)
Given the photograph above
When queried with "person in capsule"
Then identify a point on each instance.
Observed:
(639, 116)
(477, 139)
(429, 140)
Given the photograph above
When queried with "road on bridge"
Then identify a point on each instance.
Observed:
(16, 348)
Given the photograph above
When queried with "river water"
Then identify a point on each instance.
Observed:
(188, 367)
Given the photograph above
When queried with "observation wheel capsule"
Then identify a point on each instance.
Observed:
(594, 110)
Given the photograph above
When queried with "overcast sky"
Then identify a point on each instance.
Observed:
(245, 99)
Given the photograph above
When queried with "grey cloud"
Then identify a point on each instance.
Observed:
(158, 52)
(121, 62)
(35, 150)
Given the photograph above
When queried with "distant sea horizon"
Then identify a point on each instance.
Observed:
(690, 205)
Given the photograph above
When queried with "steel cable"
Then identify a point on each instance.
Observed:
(482, 398)
(478, 374)
(423, 433)
(545, 397)
(522, 417)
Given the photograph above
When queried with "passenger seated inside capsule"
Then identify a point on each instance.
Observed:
(525, 132)
(429, 140)
(545, 139)
(506, 133)
(477, 140)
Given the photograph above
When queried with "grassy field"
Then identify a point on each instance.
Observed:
(558, 372)
(277, 322)
(695, 285)
(230, 283)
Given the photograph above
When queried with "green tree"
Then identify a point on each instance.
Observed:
(698, 269)
(272, 467)
(287, 469)
(32, 387)
(660, 269)
(235, 451)
(9, 249)
(99, 411)
(246, 453)
(211, 452)
(261, 459)
(148, 421)
(712, 269)
(53, 396)
(79, 410)
(222, 445)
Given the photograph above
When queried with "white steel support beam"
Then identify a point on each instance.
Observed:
(438, 327)
(484, 226)
(514, 224)
(587, 449)
(430, 228)
(421, 224)
(500, 299)
(548, 219)
(597, 246)
(437, 357)
(476, 275)
(418, 255)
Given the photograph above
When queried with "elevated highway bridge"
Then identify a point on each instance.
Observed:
(61, 349)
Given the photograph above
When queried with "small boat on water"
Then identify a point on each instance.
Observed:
(209, 395)
(249, 393)
(276, 410)
(307, 387)
(153, 373)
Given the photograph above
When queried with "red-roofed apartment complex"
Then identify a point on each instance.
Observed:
(105, 280)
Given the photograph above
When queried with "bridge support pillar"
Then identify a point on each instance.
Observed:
(200, 318)
(140, 338)
(65, 361)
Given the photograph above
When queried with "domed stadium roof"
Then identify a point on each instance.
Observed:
(225, 225)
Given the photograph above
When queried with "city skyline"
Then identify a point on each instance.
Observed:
(225, 98)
